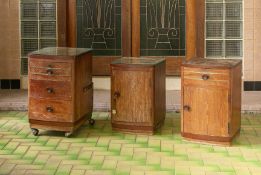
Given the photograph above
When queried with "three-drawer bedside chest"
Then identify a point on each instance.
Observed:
(60, 89)
(211, 100)
(138, 95)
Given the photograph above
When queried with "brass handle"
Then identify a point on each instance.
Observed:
(49, 109)
(116, 95)
(114, 112)
(50, 90)
(186, 108)
(205, 77)
(49, 72)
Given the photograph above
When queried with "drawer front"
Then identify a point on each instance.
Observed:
(50, 110)
(51, 89)
(206, 77)
(47, 70)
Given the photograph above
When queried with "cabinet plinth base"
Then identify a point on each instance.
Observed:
(215, 140)
(59, 126)
(149, 130)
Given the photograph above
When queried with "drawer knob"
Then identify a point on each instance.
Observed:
(50, 90)
(49, 72)
(186, 108)
(116, 95)
(205, 77)
(49, 109)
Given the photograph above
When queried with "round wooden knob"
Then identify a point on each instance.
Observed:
(205, 77)
(116, 95)
(186, 108)
(50, 90)
(49, 109)
(49, 72)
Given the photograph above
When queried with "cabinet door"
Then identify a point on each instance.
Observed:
(205, 111)
(131, 96)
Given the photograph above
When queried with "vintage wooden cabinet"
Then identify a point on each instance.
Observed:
(211, 100)
(138, 99)
(60, 89)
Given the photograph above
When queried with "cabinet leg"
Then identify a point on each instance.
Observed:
(35, 131)
(91, 122)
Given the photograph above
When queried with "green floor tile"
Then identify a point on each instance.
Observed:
(98, 149)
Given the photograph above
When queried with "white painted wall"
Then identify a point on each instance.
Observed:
(172, 83)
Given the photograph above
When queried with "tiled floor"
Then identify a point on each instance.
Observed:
(99, 150)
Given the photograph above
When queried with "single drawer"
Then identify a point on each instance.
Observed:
(206, 77)
(50, 70)
(51, 110)
(51, 89)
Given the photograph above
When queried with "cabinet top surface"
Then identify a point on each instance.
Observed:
(138, 61)
(61, 51)
(212, 63)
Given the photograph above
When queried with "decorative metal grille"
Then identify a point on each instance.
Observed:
(38, 27)
(224, 28)
(99, 26)
(163, 27)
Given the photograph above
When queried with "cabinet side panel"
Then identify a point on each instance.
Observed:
(182, 99)
(83, 89)
(160, 93)
(236, 99)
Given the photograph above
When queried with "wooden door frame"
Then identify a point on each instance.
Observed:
(195, 29)
(195, 35)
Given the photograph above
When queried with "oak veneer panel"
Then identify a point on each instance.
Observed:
(67, 71)
(138, 98)
(211, 100)
(206, 117)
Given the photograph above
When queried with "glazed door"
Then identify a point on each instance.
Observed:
(129, 91)
(158, 28)
(205, 111)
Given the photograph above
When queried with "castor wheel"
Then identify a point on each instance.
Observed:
(68, 134)
(91, 122)
(35, 132)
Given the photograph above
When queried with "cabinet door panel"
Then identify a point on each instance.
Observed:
(134, 108)
(208, 111)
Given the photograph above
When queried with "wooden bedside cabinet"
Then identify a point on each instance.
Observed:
(138, 94)
(60, 89)
(211, 100)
